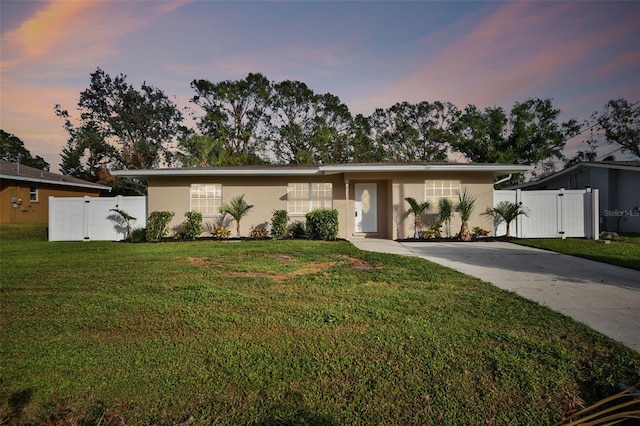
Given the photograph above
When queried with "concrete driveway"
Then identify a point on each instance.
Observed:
(603, 296)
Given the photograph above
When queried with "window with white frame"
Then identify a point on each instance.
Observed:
(304, 197)
(206, 198)
(33, 193)
(437, 189)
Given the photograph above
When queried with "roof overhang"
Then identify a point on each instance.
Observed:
(576, 168)
(495, 169)
(56, 182)
(215, 172)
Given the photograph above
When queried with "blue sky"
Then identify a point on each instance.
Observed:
(370, 54)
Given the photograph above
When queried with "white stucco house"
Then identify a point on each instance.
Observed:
(369, 198)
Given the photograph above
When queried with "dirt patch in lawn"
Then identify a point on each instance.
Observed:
(310, 268)
(283, 257)
(359, 264)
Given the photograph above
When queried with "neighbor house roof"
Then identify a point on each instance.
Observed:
(20, 172)
(326, 169)
(576, 168)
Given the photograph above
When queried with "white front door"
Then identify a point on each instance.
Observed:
(366, 207)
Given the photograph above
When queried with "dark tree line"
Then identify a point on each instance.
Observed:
(12, 149)
(257, 121)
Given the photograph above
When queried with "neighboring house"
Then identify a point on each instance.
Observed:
(369, 198)
(618, 183)
(25, 192)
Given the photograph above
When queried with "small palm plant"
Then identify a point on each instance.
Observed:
(417, 209)
(508, 212)
(445, 214)
(127, 218)
(465, 208)
(237, 209)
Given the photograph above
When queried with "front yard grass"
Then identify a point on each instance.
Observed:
(280, 332)
(624, 252)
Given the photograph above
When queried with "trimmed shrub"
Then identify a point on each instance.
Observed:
(138, 235)
(192, 227)
(296, 230)
(279, 222)
(158, 225)
(322, 224)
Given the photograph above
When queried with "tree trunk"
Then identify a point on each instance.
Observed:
(465, 234)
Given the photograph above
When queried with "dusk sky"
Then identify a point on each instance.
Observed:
(369, 54)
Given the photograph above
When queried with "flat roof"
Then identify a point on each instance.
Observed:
(328, 169)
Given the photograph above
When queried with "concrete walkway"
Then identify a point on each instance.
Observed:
(603, 296)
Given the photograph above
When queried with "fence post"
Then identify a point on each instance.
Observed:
(560, 214)
(518, 221)
(86, 210)
(595, 214)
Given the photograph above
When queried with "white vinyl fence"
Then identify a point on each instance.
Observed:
(552, 213)
(91, 218)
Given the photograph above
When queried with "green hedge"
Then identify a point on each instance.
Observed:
(322, 224)
(158, 225)
(279, 222)
(192, 226)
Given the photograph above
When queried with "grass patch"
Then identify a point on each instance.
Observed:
(624, 252)
(23, 232)
(281, 332)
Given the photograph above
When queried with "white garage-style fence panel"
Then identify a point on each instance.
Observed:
(91, 218)
(552, 213)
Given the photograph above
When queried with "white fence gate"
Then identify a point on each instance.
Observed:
(552, 213)
(91, 218)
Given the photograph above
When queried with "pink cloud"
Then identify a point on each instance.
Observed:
(170, 6)
(27, 110)
(522, 48)
(626, 61)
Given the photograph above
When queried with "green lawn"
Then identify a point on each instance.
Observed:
(624, 252)
(279, 332)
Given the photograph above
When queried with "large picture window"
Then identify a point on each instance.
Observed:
(304, 197)
(436, 189)
(206, 198)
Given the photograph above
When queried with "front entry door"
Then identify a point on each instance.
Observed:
(366, 207)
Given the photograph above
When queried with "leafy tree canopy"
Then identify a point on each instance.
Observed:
(139, 125)
(12, 149)
(620, 121)
(234, 113)
(415, 132)
(530, 133)
(305, 127)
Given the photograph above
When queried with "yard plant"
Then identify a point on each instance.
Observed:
(322, 224)
(279, 332)
(279, 222)
(417, 209)
(507, 212)
(465, 207)
(158, 225)
(445, 213)
(192, 226)
(237, 208)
